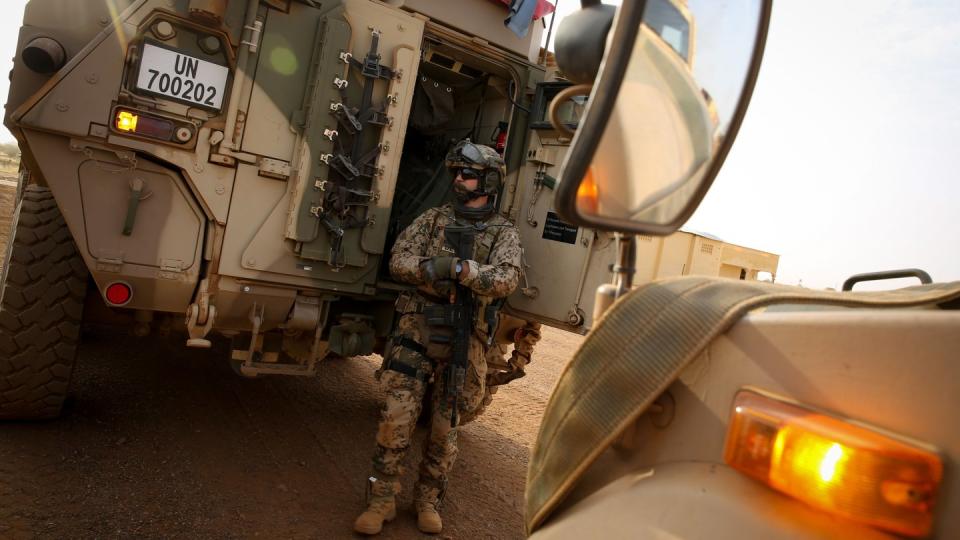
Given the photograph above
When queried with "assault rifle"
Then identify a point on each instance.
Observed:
(459, 316)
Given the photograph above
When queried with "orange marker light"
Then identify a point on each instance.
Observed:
(588, 194)
(126, 121)
(837, 465)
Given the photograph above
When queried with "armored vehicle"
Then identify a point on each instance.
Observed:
(707, 408)
(241, 167)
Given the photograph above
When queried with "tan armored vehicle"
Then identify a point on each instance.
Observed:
(241, 167)
(688, 412)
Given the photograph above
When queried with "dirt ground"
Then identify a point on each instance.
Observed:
(157, 440)
(8, 192)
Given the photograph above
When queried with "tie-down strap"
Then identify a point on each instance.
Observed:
(639, 347)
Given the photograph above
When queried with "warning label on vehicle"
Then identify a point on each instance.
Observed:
(558, 230)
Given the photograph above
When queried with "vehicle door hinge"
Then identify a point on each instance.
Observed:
(110, 263)
(254, 39)
(274, 168)
(170, 268)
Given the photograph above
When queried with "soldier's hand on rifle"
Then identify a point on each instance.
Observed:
(447, 288)
(437, 268)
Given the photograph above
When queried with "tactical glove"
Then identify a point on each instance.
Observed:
(437, 268)
(444, 287)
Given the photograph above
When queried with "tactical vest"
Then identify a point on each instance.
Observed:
(483, 244)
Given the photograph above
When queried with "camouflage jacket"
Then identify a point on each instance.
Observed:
(494, 268)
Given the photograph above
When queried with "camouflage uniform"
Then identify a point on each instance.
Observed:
(493, 272)
(501, 368)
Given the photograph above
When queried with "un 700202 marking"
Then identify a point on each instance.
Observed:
(173, 74)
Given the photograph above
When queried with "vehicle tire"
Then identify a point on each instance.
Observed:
(42, 287)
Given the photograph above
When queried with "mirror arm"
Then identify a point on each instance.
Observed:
(554, 110)
(625, 268)
(623, 273)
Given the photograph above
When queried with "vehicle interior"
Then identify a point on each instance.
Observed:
(458, 95)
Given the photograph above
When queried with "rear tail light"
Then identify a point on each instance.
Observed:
(146, 125)
(118, 294)
(834, 464)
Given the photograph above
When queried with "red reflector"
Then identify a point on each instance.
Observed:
(118, 294)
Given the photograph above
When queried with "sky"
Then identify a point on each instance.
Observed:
(844, 163)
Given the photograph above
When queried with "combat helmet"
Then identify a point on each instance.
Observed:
(490, 170)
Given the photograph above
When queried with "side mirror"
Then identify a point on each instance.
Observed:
(666, 106)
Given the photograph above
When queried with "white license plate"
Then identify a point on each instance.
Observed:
(182, 77)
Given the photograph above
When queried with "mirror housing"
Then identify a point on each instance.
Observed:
(642, 211)
(581, 41)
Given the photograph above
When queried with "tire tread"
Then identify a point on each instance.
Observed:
(41, 304)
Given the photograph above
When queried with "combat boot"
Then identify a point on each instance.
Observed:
(381, 506)
(379, 509)
(428, 519)
(427, 503)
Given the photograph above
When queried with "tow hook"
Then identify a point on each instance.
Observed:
(197, 332)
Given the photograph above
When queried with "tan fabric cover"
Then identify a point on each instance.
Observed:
(639, 348)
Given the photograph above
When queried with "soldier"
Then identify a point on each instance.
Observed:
(426, 254)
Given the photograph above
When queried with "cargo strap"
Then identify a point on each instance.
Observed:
(406, 369)
(408, 343)
(417, 302)
(409, 371)
(639, 347)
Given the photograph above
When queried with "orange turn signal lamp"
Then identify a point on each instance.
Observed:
(127, 121)
(587, 194)
(835, 464)
(145, 125)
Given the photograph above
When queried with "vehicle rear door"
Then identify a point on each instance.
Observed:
(563, 264)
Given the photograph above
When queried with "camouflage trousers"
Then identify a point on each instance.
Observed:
(403, 399)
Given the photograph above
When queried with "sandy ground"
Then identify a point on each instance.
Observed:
(157, 440)
(8, 192)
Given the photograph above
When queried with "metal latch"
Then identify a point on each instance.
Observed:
(137, 186)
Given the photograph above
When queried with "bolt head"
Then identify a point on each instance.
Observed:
(163, 30)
